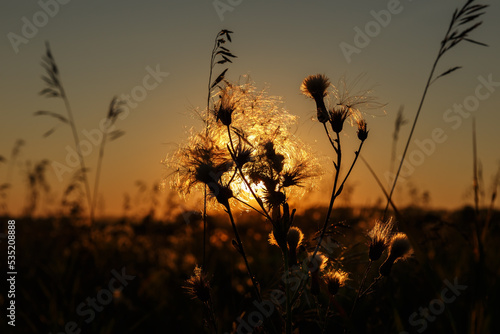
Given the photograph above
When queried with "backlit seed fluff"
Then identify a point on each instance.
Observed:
(317, 263)
(380, 238)
(400, 245)
(294, 237)
(198, 285)
(399, 248)
(334, 280)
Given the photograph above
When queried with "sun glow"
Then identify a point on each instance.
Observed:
(256, 146)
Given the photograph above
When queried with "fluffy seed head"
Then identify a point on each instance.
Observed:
(380, 238)
(294, 237)
(315, 86)
(317, 263)
(198, 285)
(337, 118)
(400, 246)
(226, 106)
(334, 280)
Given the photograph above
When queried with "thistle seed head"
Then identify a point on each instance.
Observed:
(294, 237)
(315, 86)
(334, 280)
(380, 239)
(198, 286)
(362, 131)
(400, 246)
(337, 118)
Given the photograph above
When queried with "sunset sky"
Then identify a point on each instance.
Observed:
(110, 48)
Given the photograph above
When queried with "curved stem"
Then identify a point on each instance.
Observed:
(396, 211)
(429, 79)
(242, 252)
(78, 149)
(333, 196)
(350, 169)
(329, 137)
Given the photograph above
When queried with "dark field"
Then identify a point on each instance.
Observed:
(65, 268)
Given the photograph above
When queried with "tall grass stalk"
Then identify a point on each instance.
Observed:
(464, 21)
(477, 305)
(221, 38)
(56, 89)
(111, 117)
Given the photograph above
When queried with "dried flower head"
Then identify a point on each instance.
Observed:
(338, 115)
(334, 280)
(294, 237)
(315, 86)
(317, 263)
(226, 105)
(362, 132)
(400, 245)
(202, 162)
(380, 237)
(198, 285)
(399, 248)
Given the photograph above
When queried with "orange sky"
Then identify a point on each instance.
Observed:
(157, 53)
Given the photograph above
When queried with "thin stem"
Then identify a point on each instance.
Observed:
(332, 198)
(350, 168)
(411, 132)
(379, 277)
(381, 186)
(442, 50)
(326, 314)
(232, 152)
(251, 207)
(367, 270)
(241, 250)
(78, 149)
(206, 132)
(329, 137)
(98, 174)
(211, 311)
(204, 225)
(287, 291)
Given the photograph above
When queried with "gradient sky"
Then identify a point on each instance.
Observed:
(103, 49)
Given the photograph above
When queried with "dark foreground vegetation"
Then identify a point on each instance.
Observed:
(66, 271)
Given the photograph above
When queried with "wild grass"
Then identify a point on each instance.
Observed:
(326, 269)
(55, 89)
